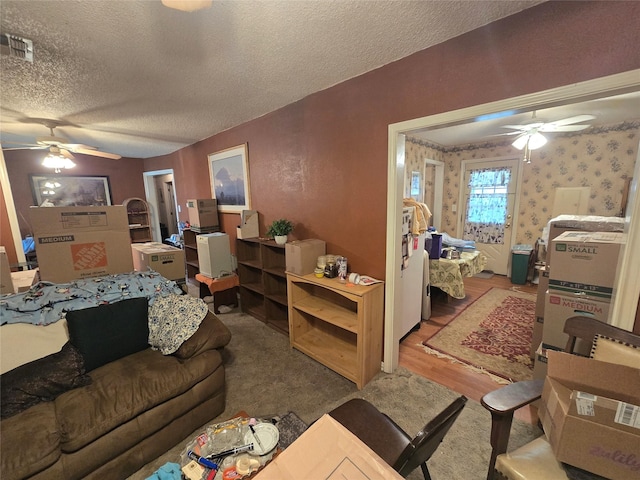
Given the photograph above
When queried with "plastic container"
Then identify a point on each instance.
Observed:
(436, 246)
(520, 259)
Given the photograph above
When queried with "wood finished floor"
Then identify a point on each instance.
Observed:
(455, 376)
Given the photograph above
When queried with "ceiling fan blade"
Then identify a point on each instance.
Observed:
(87, 150)
(516, 127)
(563, 128)
(569, 120)
(66, 153)
(25, 148)
(519, 132)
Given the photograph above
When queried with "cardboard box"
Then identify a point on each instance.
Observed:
(168, 261)
(336, 454)
(81, 242)
(560, 307)
(6, 283)
(24, 279)
(585, 263)
(540, 360)
(301, 256)
(591, 415)
(584, 223)
(543, 286)
(248, 225)
(203, 213)
(536, 338)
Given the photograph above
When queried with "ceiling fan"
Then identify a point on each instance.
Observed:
(60, 150)
(530, 135)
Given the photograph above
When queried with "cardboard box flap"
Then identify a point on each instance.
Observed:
(78, 219)
(610, 380)
(591, 237)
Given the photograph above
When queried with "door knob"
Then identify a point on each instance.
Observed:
(507, 225)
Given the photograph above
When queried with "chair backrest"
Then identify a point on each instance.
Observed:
(587, 328)
(429, 438)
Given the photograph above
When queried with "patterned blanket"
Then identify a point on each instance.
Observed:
(46, 302)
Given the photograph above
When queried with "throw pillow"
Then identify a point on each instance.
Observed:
(610, 350)
(41, 380)
(108, 332)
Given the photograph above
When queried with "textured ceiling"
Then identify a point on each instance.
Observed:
(139, 79)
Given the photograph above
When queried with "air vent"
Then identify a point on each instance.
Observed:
(15, 46)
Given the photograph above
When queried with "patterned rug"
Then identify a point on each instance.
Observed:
(492, 335)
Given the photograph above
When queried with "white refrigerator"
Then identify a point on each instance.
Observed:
(412, 274)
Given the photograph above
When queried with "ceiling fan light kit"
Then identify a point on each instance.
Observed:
(57, 161)
(532, 141)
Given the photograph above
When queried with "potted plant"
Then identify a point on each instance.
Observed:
(279, 230)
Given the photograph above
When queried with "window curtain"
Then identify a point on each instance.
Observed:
(487, 205)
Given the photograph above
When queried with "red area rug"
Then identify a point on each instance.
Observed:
(492, 335)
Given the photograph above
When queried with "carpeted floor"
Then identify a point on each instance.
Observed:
(492, 335)
(266, 377)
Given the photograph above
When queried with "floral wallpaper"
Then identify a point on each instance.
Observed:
(602, 158)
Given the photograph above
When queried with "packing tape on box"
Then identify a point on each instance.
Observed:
(354, 278)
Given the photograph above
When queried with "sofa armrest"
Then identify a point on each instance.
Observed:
(211, 334)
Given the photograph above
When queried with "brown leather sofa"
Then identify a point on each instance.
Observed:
(133, 410)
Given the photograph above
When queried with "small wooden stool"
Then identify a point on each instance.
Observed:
(224, 290)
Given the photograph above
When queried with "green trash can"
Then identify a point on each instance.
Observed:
(520, 258)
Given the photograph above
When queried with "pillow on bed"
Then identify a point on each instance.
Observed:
(41, 380)
(609, 350)
(108, 332)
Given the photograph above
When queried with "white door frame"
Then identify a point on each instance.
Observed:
(600, 87)
(436, 208)
(11, 210)
(468, 164)
(152, 200)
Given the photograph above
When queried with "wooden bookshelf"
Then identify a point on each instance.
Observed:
(340, 326)
(263, 282)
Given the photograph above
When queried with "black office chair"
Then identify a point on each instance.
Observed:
(382, 435)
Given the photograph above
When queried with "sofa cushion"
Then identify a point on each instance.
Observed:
(211, 334)
(109, 332)
(124, 389)
(30, 441)
(41, 380)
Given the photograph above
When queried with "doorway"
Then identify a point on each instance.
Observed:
(160, 194)
(489, 204)
(625, 292)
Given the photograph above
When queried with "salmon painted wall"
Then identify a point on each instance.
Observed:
(322, 161)
(125, 178)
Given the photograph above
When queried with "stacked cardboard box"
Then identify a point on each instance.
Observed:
(590, 413)
(81, 242)
(581, 274)
(556, 227)
(203, 215)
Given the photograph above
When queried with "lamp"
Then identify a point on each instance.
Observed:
(57, 161)
(187, 5)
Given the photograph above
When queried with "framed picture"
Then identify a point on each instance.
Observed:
(68, 191)
(229, 176)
